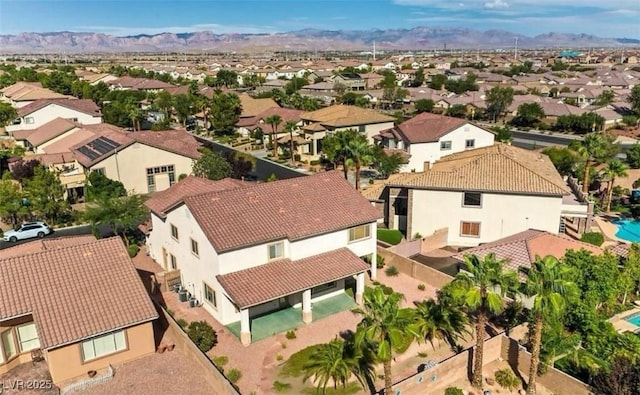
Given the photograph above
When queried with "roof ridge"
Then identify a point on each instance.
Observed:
(64, 248)
(528, 169)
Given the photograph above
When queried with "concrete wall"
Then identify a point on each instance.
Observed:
(437, 240)
(415, 269)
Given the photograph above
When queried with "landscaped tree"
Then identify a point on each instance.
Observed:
(7, 114)
(634, 99)
(437, 81)
(211, 165)
(201, 104)
(424, 105)
(482, 286)
(386, 163)
(498, 99)
(594, 149)
(101, 187)
(436, 321)
(335, 148)
(457, 111)
(630, 272)
(503, 134)
(605, 98)
(183, 106)
(359, 153)
(136, 114)
(23, 170)
(165, 103)
(529, 114)
(12, 209)
(290, 127)
(615, 168)
(275, 121)
(548, 282)
(46, 194)
(623, 378)
(224, 110)
(121, 214)
(383, 326)
(563, 158)
(633, 156)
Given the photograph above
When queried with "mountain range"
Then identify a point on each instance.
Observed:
(417, 38)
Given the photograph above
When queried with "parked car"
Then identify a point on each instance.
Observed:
(27, 231)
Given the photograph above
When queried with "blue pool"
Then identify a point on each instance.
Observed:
(634, 319)
(628, 230)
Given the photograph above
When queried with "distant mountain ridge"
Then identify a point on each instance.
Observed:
(422, 37)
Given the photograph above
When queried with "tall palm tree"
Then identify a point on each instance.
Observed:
(595, 148)
(290, 126)
(274, 121)
(335, 148)
(359, 153)
(436, 321)
(384, 326)
(135, 114)
(548, 283)
(482, 287)
(615, 168)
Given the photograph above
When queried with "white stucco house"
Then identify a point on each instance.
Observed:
(479, 196)
(428, 137)
(40, 112)
(245, 249)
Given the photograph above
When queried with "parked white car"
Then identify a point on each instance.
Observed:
(27, 231)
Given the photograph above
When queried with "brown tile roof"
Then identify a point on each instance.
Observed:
(343, 116)
(620, 249)
(65, 143)
(521, 249)
(295, 209)
(499, 168)
(252, 107)
(161, 202)
(427, 127)
(45, 244)
(75, 292)
(50, 130)
(25, 91)
(83, 105)
(276, 279)
(177, 141)
(52, 159)
(287, 114)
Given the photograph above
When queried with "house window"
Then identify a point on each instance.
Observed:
(470, 229)
(360, 232)
(471, 143)
(445, 145)
(8, 345)
(174, 262)
(29, 120)
(194, 248)
(174, 232)
(28, 337)
(472, 199)
(210, 295)
(103, 345)
(151, 183)
(99, 170)
(152, 171)
(276, 250)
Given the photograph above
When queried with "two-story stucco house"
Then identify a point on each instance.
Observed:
(428, 137)
(143, 161)
(480, 195)
(245, 250)
(43, 111)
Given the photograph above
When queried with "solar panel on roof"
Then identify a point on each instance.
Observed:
(101, 147)
(86, 151)
(110, 142)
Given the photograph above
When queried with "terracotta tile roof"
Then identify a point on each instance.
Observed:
(75, 292)
(161, 202)
(50, 130)
(287, 114)
(20, 135)
(276, 279)
(498, 168)
(45, 244)
(344, 116)
(295, 208)
(427, 127)
(80, 105)
(65, 143)
(620, 249)
(52, 159)
(521, 249)
(252, 107)
(25, 91)
(177, 141)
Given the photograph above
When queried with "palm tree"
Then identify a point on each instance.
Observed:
(384, 326)
(547, 282)
(135, 114)
(359, 153)
(615, 168)
(482, 287)
(436, 321)
(595, 148)
(274, 121)
(290, 126)
(335, 148)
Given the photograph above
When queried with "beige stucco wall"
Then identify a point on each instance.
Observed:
(66, 362)
(130, 165)
(51, 112)
(22, 357)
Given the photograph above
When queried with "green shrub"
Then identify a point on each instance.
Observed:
(281, 387)
(389, 236)
(453, 391)
(506, 379)
(423, 354)
(314, 162)
(182, 323)
(595, 238)
(234, 375)
(203, 335)
(421, 287)
(291, 335)
(379, 261)
(220, 360)
(279, 357)
(386, 289)
(391, 271)
(133, 250)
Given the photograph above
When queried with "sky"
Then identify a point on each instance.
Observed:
(605, 18)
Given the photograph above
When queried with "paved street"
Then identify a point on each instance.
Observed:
(72, 231)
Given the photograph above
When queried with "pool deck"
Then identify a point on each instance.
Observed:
(608, 229)
(619, 323)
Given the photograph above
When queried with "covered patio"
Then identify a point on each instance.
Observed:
(287, 289)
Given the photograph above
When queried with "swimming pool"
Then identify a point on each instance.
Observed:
(628, 230)
(633, 319)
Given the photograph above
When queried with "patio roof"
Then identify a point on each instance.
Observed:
(260, 284)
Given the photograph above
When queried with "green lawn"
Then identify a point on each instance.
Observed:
(390, 236)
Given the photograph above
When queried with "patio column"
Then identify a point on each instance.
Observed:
(306, 307)
(359, 288)
(374, 265)
(245, 328)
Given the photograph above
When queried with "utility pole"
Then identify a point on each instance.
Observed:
(374, 51)
(515, 55)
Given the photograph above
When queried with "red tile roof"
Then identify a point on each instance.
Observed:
(295, 208)
(276, 279)
(45, 244)
(50, 130)
(84, 105)
(177, 141)
(427, 127)
(287, 114)
(161, 202)
(75, 292)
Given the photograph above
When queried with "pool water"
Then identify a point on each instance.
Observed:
(628, 230)
(634, 319)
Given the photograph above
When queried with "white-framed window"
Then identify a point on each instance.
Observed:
(174, 262)
(276, 250)
(174, 232)
(195, 249)
(29, 120)
(103, 345)
(472, 199)
(210, 295)
(360, 232)
(445, 145)
(469, 143)
(8, 345)
(470, 229)
(28, 337)
(151, 175)
(99, 170)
